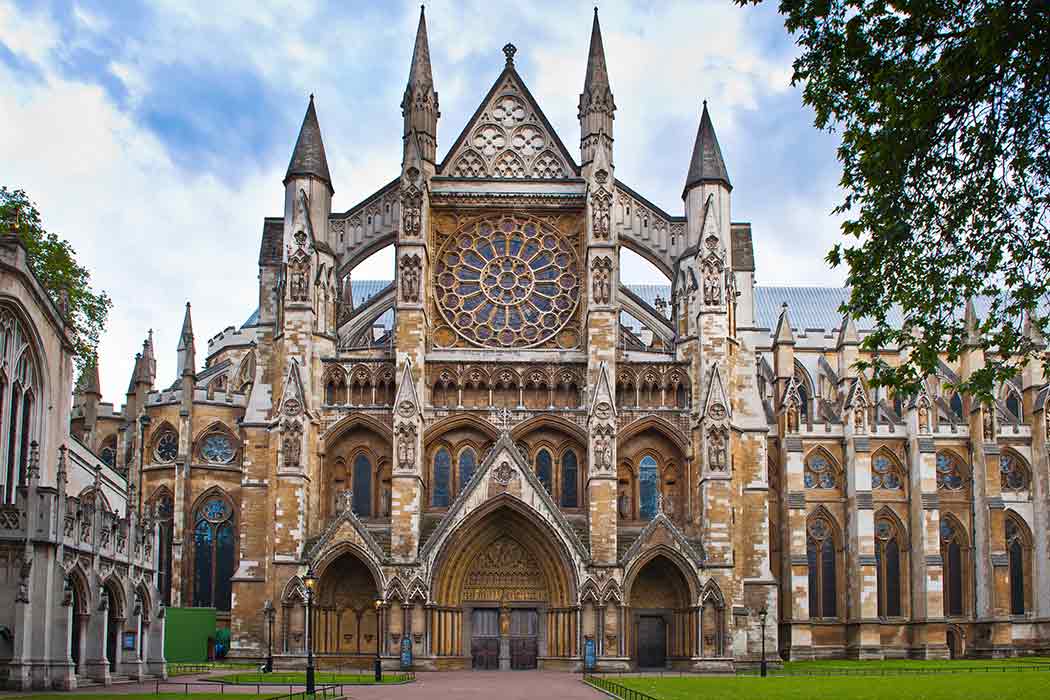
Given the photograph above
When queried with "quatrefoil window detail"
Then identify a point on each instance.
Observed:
(509, 111)
(528, 141)
(489, 140)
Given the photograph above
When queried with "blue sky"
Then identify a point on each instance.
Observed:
(155, 136)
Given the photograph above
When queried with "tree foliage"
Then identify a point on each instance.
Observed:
(943, 107)
(53, 261)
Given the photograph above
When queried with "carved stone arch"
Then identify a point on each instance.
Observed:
(713, 593)
(146, 599)
(688, 572)
(40, 380)
(548, 165)
(820, 451)
(292, 594)
(903, 538)
(1024, 529)
(822, 513)
(211, 492)
(322, 560)
(658, 424)
(612, 592)
(514, 515)
(246, 371)
(1019, 463)
(80, 582)
(879, 480)
(469, 164)
(509, 165)
(96, 497)
(417, 591)
(958, 526)
(118, 596)
(445, 425)
(396, 590)
(352, 421)
(535, 423)
(155, 434)
(589, 592)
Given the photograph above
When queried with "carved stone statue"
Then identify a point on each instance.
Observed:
(859, 422)
(410, 271)
(292, 444)
(601, 286)
(792, 418)
(345, 501)
(924, 418)
(406, 445)
(602, 452)
(716, 450)
(299, 287)
(601, 206)
(712, 284)
(412, 211)
(988, 422)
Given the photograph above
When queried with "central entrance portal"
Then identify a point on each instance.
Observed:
(484, 639)
(652, 641)
(524, 638)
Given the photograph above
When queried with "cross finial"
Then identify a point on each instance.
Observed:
(509, 50)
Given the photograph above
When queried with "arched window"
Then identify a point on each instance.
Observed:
(1018, 551)
(1013, 473)
(468, 462)
(648, 488)
(442, 474)
(213, 554)
(886, 473)
(17, 402)
(949, 474)
(952, 555)
(544, 468)
(888, 567)
(108, 453)
(805, 391)
(956, 404)
(362, 486)
(162, 507)
(821, 556)
(569, 471)
(819, 472)
(1014, 405)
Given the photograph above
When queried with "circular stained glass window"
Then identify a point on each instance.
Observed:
(167, 447)
(215, 510)
(217, 449)
(507, 282)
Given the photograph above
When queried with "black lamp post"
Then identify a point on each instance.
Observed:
(310, 580)
(762, 616)
(379, 637)
(270, 612)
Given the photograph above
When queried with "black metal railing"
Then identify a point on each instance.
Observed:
(621, 691)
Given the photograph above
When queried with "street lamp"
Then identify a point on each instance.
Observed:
(310, 580)
(379, 636)
(270, 613)
(762, 616)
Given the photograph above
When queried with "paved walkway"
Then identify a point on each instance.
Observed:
(447, 685)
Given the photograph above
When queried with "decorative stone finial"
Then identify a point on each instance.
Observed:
(509, 50)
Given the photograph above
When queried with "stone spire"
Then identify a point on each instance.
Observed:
(89, 383)
(149, 358)
(596, 101)
(419, 107)
(187, 350)
(308, 158)
(706, 164)
(973, 333)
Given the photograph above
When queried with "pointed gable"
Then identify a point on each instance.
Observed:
(509, 137)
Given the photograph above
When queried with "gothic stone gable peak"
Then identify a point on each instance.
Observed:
(345, 528)
(407, 400)
(293, 398)
(661, 530)
(504, 473)
(716, 403)
(509, 137)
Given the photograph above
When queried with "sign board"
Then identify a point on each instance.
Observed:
(129, 641)
(406, 652)
(590, 653)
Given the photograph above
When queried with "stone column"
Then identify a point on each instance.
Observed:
(796, 563)
(863, 640)
(927, 568)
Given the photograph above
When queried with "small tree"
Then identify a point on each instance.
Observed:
(53, 261)
(944, 112)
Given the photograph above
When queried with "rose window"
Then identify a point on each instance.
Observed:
(511, 282)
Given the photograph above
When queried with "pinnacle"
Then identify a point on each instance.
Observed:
(707, 164)
(419, 73)
(597, 71)
(308, 157)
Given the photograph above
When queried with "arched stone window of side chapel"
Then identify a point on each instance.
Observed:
(954, 554)
(956, 404)
(545, 469)
(949, 472)
(165, 444)
(820, 471)
(162, 506)
(335, 390)
(217, 446)
(213, 555)
(1013, 473)
(468, 464)
(625, 491)
(1019, 552)
(362, 485)
(569, 477)
(888, 541)
(108, 452)
(1014, 404)
(886, 472)
(822, 556)
(441, 478)
(648, 487)
(18, 405)
(805, 391)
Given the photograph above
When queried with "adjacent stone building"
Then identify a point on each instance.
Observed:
(78, 598)
(505, 458)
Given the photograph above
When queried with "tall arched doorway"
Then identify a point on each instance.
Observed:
(114, 626)
(661, 616)
(505, 592)
(345, 618)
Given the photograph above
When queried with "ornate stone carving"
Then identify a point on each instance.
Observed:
(406, 445)
(292, 443)
(988, 422)
(299, 275)
(717, 411)
(345, 501)
(505, 572)
(504, 473)
(411, 269)
(717, 449)
(601, 207)
(603, 447)
(23, 581)
(924, 417)
(601, 282)
(411, 210)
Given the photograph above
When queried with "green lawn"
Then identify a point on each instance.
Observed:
(909, 664)
(1002, 686)
(299, 678)
(147, 696)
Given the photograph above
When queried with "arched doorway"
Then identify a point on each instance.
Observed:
(114, 625)
(345, 618)
(505, 592)
(661, 616)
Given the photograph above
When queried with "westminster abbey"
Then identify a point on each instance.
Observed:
(506, 458)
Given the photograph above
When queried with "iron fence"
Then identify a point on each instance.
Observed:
(615, 689)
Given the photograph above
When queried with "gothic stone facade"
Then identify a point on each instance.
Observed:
(506, 458)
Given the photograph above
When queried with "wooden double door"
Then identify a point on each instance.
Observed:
(485, 638)
(652, 641)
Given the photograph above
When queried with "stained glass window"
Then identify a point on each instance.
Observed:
(1013, 474)
(362, 486)
(1015, 548)
(819, 474)
(569, 470)
(507, 282)
(17, 403)
(218, 449)
(108, 455)
(544, 469)
(884, 474)
(888, 568)
(952, 556)
(163, 511)
(821, 556)
(949, 477)
(648, 488)
(213, 558)
(467, 464)
(442, 476)
(167, 447)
